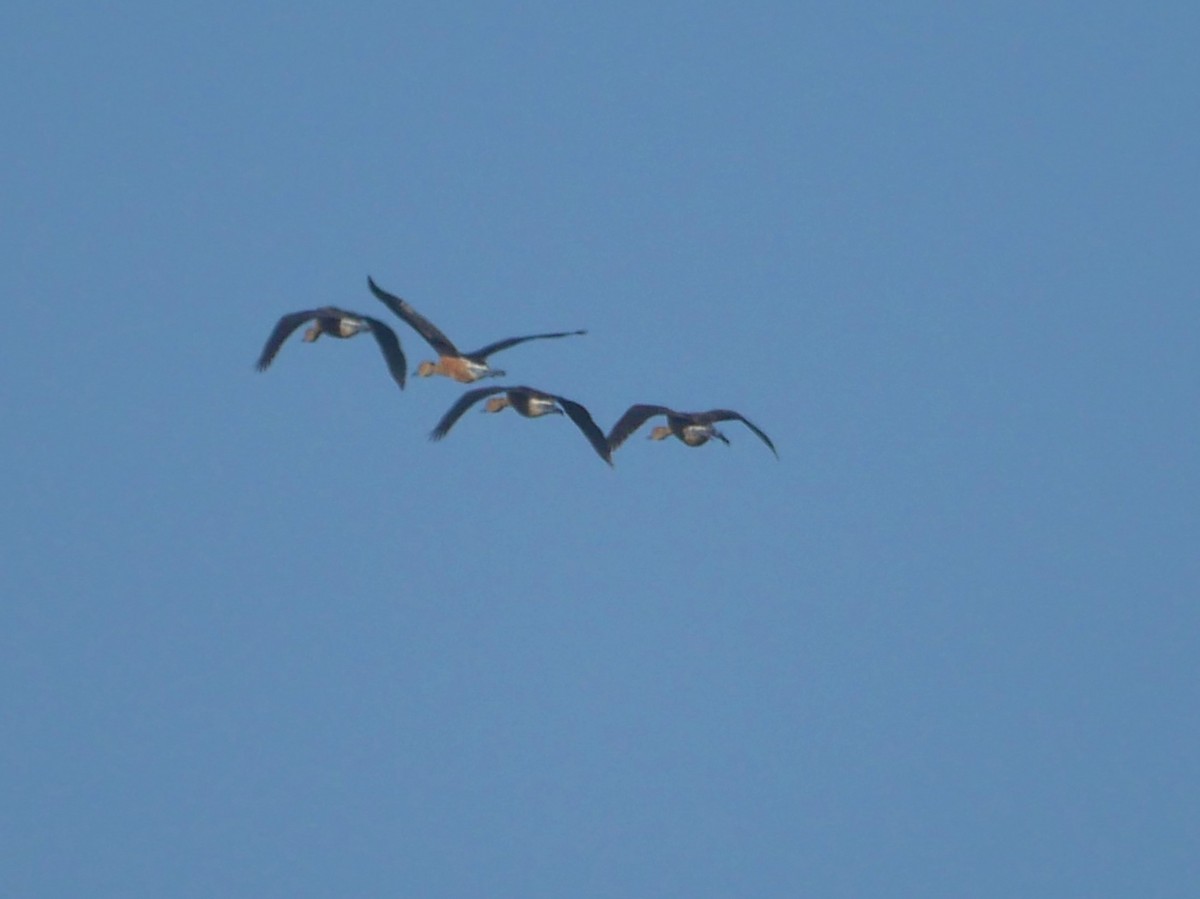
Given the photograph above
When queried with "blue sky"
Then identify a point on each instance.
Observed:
(262, 638)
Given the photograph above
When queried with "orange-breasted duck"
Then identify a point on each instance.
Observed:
(336, 323)
(530, 403)
(452, 363)
(693, 428)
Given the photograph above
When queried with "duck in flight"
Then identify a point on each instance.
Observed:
(529, 403)
(341, 324)
(693, 428)
(462, 367)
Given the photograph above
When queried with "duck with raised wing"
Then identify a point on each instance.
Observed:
(530, 403)
(693, 428)
(341, 324)
(453, 363)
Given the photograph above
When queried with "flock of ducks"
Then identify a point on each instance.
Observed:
(692, 428)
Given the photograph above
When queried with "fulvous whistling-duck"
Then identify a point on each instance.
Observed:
(529, 403)
(693, 428)
(462, 367)
(336, 323)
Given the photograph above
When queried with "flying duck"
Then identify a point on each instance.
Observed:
(336, 323)
(462, 367)
(529, 403)
(693, 428)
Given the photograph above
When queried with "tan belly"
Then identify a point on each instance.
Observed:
(460, 369)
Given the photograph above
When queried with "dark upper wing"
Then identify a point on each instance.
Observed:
(499, 345)
(634, 418)
(730, 415)
(455, 412)
(389, 343)
(419, 323)
(583, 419)
(283, 330)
